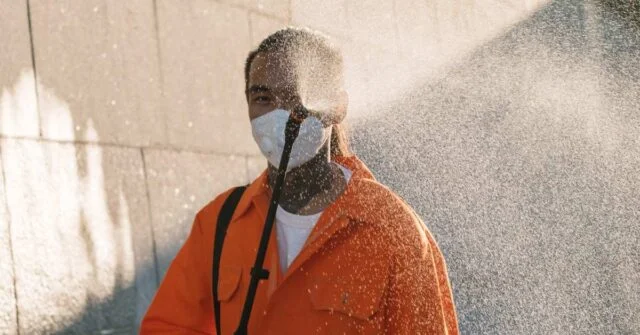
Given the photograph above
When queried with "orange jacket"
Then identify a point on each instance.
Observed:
(369, 267)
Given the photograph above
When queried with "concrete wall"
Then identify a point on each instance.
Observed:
(524, 161)
(120, 119)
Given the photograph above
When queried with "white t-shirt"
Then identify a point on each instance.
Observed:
(293, 230)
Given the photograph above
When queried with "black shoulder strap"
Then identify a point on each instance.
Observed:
(224, 217)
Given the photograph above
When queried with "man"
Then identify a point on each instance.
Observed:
(348, 256)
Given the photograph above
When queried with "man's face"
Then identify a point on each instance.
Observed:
(280, 82)
(272, 85)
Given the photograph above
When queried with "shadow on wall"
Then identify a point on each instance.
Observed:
(87, 162)
(77, 211)
(524, 161)
(71, 228)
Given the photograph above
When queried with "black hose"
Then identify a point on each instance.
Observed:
(258, 272)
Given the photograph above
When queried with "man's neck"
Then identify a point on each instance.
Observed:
(310, 187)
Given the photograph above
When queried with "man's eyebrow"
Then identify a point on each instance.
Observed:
(258, 89)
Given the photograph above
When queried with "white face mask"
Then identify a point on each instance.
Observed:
(268, 132)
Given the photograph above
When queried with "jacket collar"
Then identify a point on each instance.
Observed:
(260, 187)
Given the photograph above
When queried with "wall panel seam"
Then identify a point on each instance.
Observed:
(33, 66)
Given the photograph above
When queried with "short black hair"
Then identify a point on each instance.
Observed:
(296, 40)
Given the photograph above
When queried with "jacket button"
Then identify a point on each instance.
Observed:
(345, 298)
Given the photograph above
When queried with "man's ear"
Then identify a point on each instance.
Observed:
(340, 111)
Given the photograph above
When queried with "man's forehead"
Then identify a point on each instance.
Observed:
(272, 69)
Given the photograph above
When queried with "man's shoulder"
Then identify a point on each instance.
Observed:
(390, 213)
(381, 200)
(208, 215)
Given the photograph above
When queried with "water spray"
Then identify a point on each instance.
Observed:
(258, 272)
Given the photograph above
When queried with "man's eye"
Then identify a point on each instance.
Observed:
(262, 99)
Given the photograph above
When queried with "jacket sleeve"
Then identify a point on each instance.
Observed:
(183, 302)
(419, 297)
(444, 286)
